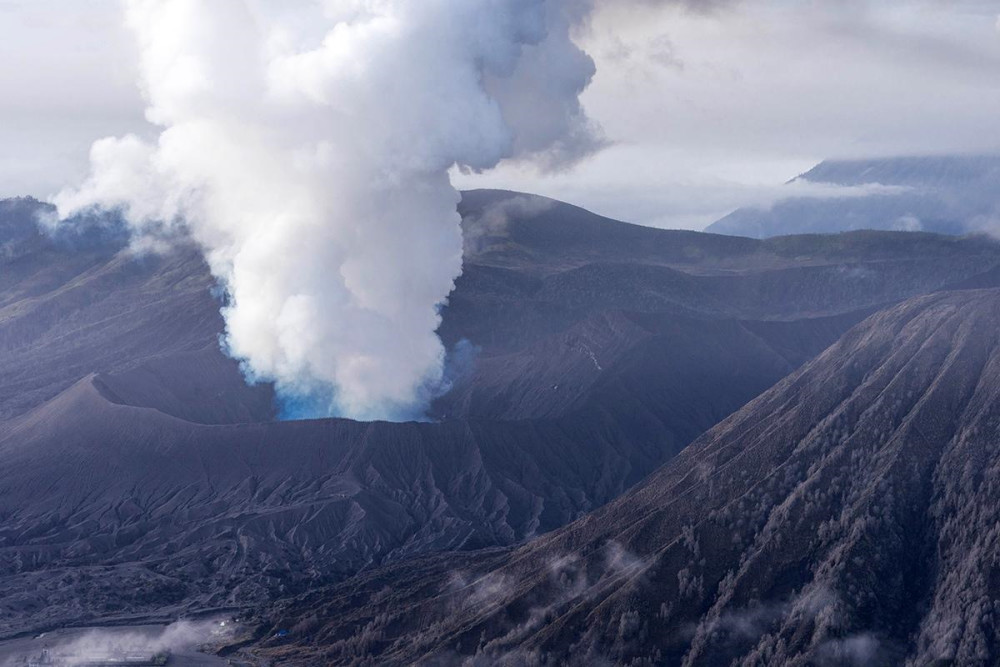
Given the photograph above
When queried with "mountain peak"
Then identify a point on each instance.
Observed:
(944, 194)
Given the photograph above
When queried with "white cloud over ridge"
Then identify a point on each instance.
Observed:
(708, 112)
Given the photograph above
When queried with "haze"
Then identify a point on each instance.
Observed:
(706, 106)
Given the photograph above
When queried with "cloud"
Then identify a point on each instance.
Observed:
(491, 223)
(767, 90)
(860, 649)
(800, 188)
(567, 579)
(125, 643)
(308, 150)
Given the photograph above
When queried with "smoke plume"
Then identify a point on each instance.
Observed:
(308, 152)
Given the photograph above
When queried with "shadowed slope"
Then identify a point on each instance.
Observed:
(239, 514)
(82, 303)
(849, 515)
(141, 475)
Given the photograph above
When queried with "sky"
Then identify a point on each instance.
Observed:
(702, 108)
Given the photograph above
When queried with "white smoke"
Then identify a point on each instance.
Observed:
(124, 645)
(307, 152)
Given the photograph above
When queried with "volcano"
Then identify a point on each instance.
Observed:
(142, 478)
(848, 515)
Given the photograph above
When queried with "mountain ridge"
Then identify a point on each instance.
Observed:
(579, 378)
(945, 194)
(842, 517)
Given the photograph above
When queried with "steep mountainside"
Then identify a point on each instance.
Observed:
(942, 194)
(849, 515)
(141, 475)
(82, 303)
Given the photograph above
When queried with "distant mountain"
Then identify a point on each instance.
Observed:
(140, 476)
(946, 195)
(848, 516)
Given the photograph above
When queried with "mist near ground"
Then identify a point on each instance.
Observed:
(179, 640)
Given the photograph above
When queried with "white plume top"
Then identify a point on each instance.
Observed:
(308, 153)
